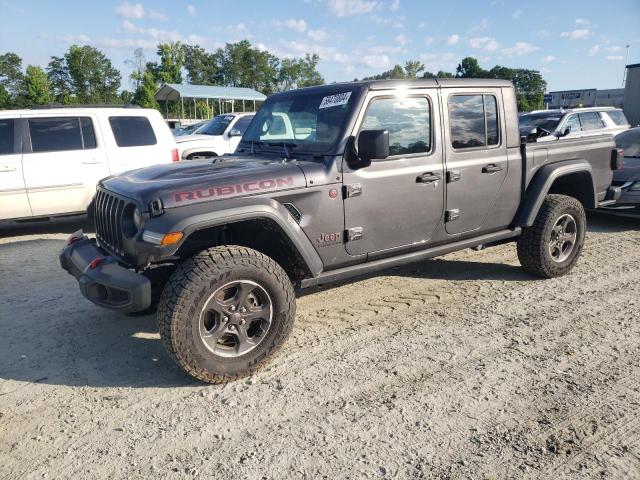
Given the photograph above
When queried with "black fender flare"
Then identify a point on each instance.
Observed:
(192, 218)
(541, 184)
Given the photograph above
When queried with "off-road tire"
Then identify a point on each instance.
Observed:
(186, 293)
(533, 251)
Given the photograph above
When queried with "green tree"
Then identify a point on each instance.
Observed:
(59, 80)
(397, 73)
(5, 98)
(299, 72)
(470, 68)
(138, 64)
(11, 73)
(202, 67)
(145, 93)
(529, 85)
(412, 68)
(36, 89)
(245, 66)
(169, 70)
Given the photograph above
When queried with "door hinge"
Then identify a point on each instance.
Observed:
(452, 215)
(453, 176)
(352, 190)
(353, 234)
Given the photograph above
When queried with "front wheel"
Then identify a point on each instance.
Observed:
(224, 312)
(552, 245)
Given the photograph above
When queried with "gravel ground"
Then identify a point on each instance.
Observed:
(460, 367)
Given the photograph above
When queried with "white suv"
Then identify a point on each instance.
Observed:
(573, 123)
(218, 136)
(51, 159)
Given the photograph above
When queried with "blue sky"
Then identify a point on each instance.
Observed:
(575, 44)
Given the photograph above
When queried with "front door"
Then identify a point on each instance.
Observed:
(13, 194)
(64, 164)
(476, 157)
(396, 203)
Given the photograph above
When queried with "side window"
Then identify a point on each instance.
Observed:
(132, 131)
(242, 124)
(55, 134)
(408, 121)
(591, 121)
(88, 133)
(474, 121)
(6, 136)
(617, 116)
(573, 124)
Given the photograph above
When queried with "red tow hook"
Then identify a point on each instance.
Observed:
(96, 262)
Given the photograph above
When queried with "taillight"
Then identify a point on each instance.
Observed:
(175, 156)
(617, 159)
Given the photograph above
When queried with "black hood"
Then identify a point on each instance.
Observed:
(189, 182)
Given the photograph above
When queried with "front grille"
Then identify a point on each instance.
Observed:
(108, 212)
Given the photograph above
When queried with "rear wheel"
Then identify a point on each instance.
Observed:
(552, 245)
(224, 312)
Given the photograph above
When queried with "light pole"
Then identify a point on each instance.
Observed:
(626, 62)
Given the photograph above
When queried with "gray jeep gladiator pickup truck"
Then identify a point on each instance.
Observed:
(328, 183)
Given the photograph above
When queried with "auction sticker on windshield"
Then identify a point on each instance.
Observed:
(335, 100)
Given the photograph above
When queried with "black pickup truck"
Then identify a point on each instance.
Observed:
(329, 183)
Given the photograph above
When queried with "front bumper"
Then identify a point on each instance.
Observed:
(105, 282)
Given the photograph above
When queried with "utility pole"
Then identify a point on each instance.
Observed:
(626, 62)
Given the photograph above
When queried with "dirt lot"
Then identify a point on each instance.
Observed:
(461, 367)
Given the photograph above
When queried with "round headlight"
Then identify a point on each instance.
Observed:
(131, 221)
(137, 218)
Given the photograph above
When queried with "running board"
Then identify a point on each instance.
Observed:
(384, 263)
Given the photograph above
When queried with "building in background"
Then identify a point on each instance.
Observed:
(631, 103)
(588, 97)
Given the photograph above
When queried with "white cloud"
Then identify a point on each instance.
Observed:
(518, 13)
(481, 26)
(453, 39)
(402, 39)
(615, 58)
(593, 50)
(299, 25)
(485, 43)
(155, 15)
(347, 8)
(317, 35)
(439, 61)
(519, 49)
(428, 41)
(395, 5)
(577, 34)
(81, 38)
(582, 21)
(128, 10)
(547, 59)
(192, 10)
(375, 61)
(154, 33)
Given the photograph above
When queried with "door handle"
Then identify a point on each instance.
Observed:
(7, 168)
(428, 178)
(491, 168)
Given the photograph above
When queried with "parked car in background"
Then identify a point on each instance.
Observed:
(573, 123)
(189, 129)
(218, 136)
(628, 178)
(52, 159)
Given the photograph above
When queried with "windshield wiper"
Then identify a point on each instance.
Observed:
(253, 142)
(285, 145)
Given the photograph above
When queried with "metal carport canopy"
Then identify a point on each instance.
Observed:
(176, 91)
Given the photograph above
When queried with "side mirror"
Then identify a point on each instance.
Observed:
(564, 133)
(234, 132)
(373, 145)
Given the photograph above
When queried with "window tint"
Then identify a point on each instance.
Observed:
(591, 121)
(132, 131)
(493, 137)
(6, 136)
(618, 117)
(55, 134)
(408, 121)
(466, 118)
(242, 124)
(573, 123)
(217, 125)
(88, 134)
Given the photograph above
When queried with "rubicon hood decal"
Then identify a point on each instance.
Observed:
(254, 186)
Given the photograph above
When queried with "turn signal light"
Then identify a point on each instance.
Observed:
(171, 238)
(175, 157)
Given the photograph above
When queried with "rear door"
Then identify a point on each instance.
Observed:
(476, 156)
(397, 203)
(62, 163)
(14, 202)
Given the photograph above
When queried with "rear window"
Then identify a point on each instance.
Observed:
(242, 124)
(59, 134)
(6, 136)
(591, 121)
(132, 131)
(618, 117)
(473, 120)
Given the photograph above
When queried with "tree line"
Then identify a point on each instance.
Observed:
(529, 84)
(84, 75)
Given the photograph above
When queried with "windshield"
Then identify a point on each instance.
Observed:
(629, 140)
(216, 126)
(307, 122)
(548, 122)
